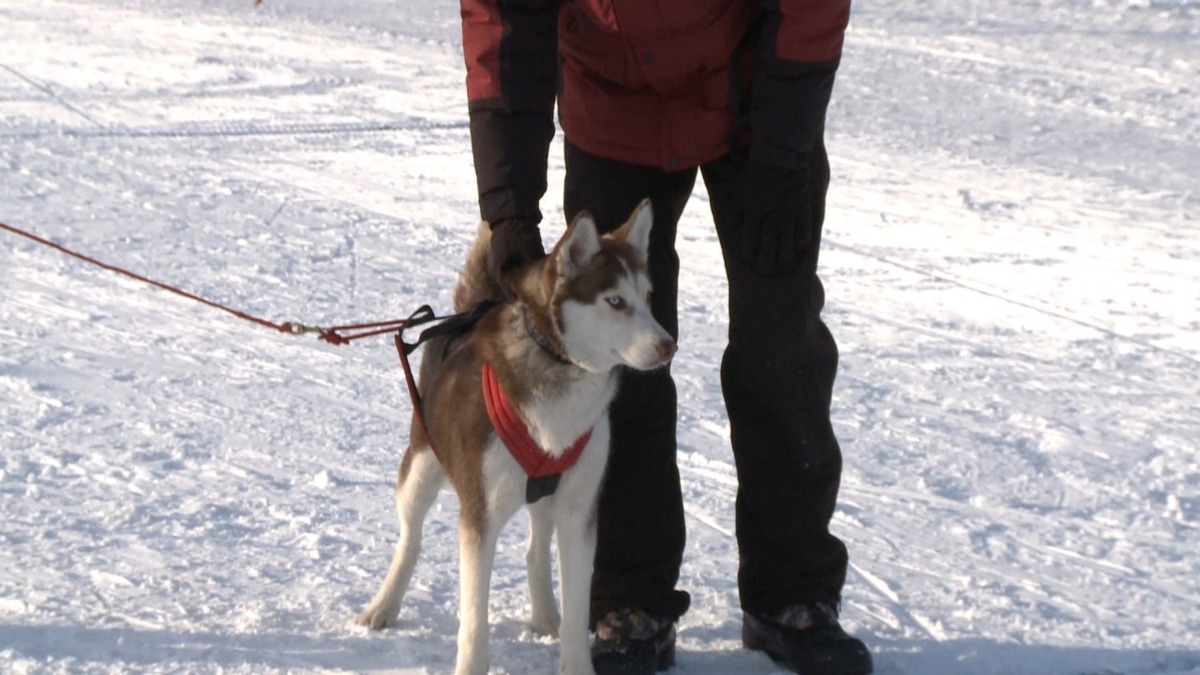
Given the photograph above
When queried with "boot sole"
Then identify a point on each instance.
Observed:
(758, 644)
(663, 660)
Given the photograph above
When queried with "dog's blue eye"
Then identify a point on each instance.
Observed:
(615, 301)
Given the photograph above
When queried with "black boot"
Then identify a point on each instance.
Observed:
(808, 640)
(631, 642)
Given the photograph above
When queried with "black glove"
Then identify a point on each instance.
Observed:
(777, 218)
(515, 242)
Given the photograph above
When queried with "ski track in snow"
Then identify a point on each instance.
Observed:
(1009, 265)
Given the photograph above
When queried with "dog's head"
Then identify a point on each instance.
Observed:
(599, 296)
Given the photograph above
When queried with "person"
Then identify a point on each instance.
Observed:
(650, 94)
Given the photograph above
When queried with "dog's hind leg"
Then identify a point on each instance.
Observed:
(420, 479)
(545, 618)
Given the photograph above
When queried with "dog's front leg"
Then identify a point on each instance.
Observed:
(477, 552)
(545, 618)
(576, 551)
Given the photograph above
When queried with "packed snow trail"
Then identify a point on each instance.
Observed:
(1009, 262)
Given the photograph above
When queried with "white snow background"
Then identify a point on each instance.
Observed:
(1011, 267)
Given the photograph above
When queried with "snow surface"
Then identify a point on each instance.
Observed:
(1011, 270)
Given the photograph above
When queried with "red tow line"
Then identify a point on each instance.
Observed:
(335, 335)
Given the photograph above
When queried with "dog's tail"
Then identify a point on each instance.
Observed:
(475, 282)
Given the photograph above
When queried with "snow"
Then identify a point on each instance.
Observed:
(1009, 263)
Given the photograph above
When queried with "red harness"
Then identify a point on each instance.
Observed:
(544, 470)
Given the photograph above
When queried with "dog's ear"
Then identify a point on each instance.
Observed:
(636, 230)
(581, 244)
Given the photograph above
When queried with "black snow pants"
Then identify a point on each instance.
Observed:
(777, 376)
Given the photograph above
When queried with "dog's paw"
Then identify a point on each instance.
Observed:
(378, 618)
(545, 623)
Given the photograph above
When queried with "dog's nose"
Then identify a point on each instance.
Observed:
(666, 349)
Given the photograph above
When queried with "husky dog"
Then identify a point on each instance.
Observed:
(553, 351)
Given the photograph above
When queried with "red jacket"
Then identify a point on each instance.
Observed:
(649, 82)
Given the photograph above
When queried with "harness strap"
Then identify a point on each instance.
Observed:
(454, 325)
(543, 469)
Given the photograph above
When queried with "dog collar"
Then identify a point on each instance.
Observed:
(543, 469)
(540, 339)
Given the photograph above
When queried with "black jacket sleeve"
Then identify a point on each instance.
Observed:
(799, 48)
(511, 52)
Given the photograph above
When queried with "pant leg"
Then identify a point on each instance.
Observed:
(640, 537)
(777, 377)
